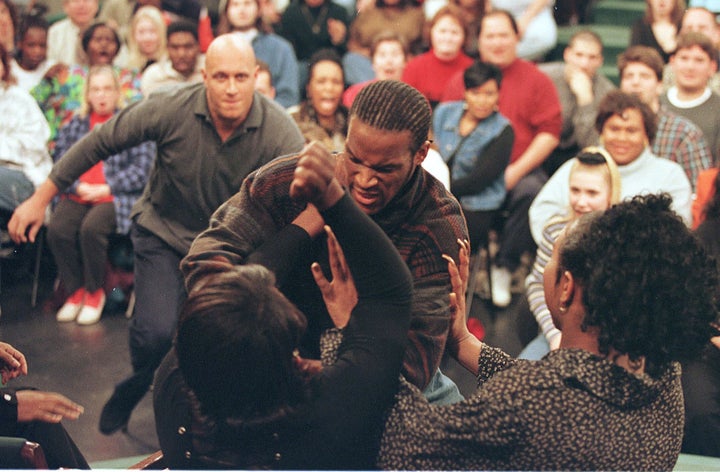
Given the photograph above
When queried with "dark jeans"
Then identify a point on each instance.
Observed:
(701, 389)
(15, 188)
(515, 238)
(59, 448)
(479, 224)
(159, 294)
(78, 238)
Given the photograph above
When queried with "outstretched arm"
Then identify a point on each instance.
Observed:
(462, 344)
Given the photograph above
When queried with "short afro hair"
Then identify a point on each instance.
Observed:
(648, 284)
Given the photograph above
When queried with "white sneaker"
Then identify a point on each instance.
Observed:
(69, 311)
(500, 279)
(92, 309)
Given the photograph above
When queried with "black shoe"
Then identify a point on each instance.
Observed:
(116, 412)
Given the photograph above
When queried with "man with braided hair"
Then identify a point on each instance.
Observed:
(386, 143)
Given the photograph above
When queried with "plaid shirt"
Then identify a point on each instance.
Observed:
(679, 140)
(424, 221)
(126, 173)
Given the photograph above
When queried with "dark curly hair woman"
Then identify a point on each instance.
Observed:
(633, 293)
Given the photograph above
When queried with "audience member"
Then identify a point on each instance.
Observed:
(8, 25)
(529, 100)
(475, 141)
(60, 92)
(580, 87)
(209, 136)
(704, 194)
(146, 42)
(23, 134)
(429, 72)
(389, 55)
(117, 14)
(97, 205)
(659, 27)
(404, 18)
(693, 64)
(311, 25)
(184, 63)
(701, 20)
(594, 185)
(245, 17)
(634, 295)
(677, 138)
(235, 316)
(573, 12)
(31, 63)
(263, 80)
(697, 20)
(701, 378)
(537, 30)
(626, 125)
(472, 12)
(65, 36)
(386, 143)
(321, 117)
(36, 415)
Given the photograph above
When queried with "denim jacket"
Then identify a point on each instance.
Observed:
(446, 129)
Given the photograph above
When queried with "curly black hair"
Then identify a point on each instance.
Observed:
(648, 284)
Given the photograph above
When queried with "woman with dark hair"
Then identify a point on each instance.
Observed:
(634, 294)
(60, 93)
(24, 159)
(659, 27)
(321, 116)
(311, 25)
(475, 141)
(233, 393)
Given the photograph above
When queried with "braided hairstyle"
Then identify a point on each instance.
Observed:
(392, 105)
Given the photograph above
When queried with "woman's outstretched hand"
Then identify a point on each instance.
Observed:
(340, 294)
(461, 344)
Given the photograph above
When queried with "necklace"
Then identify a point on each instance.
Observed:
(315, 23)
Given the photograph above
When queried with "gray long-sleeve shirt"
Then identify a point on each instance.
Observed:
(194, 171)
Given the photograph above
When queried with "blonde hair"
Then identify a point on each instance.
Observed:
(588, 158)
(136, 60)
(85, 107)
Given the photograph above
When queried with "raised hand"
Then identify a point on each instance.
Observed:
(314, 179)
(340, 295)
